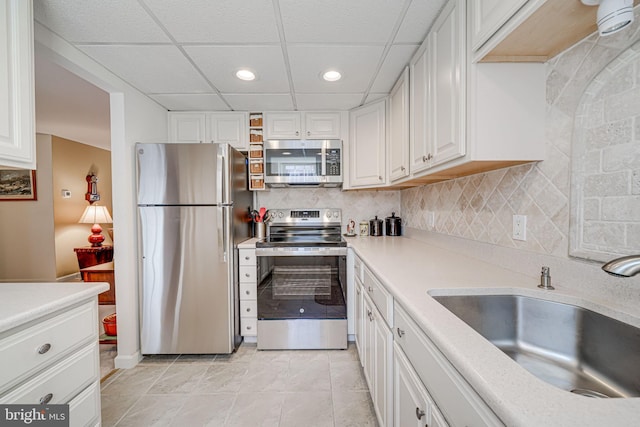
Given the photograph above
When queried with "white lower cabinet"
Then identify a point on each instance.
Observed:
(376, 357)
(413, 407)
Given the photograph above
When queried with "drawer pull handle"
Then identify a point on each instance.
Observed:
(46, 399)
(419, 413)
(400, 334)
(44, 348)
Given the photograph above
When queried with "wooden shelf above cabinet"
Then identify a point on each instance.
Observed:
(552, 28)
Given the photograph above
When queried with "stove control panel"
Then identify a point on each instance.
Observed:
(305, 216)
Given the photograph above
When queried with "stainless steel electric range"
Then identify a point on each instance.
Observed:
(302, 301)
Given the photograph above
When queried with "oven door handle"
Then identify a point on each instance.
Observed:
(306, 251)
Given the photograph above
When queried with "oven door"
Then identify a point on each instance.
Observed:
(302, 298)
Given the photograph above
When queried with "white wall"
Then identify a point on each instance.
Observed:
(134, 118)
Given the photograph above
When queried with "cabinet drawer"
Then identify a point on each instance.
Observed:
(453, 395)
(62, 381)
(248, 291)
(379, 295)
(84, 409)
(248, 308)
(248, 326)
(247, 256)
(358, 268)
(35, 347)
(248, 274)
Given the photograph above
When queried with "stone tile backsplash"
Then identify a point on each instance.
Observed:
(481, 207)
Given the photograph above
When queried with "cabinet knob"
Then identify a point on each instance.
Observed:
(424, 159)
(370, 289)
(46, 398)
(248, 328)
(248, 310)
(308, 133)
(430, 156)
(297, 133)
(419, 413)
(402, 168)
(400, 334)
(247, 275)
(247, 292)
(44, 348)
(247, 258)
(379, 178)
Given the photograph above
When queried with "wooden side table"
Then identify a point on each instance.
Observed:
(102, 273)
(93, 255)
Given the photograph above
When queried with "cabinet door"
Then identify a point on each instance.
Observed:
(283, 125)
(411, 402)
(322, 125)
(420, 121)
(382, 360)
(359, 320)
(230, 128)
(399, 128)
(17, 103)
(447, 92)
(367, 145)
(487, 16)
(187, 127)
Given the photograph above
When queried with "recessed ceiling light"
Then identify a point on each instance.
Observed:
(244, 74)
(332, 76)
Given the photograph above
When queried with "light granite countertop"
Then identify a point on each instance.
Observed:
(410, 269)
(23, 302)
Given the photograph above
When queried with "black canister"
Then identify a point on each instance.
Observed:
(393, 225)
(375, 227)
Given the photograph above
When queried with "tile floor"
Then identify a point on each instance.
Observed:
(247, 388)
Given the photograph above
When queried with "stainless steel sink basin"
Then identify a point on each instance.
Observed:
(569, 347)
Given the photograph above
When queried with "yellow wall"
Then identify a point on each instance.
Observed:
(72, 162)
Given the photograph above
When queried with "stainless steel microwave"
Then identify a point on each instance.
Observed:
(310, 163)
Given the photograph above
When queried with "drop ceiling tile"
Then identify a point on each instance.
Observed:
(418, 20)
(219, 64)
(356, 64)
(98, 21)
(190, 102)
(397, 58)
(259, 102)
(151, 69)
(328, 101)
(339, 21)
(220, 21)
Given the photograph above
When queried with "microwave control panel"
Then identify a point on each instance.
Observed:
(333, 162)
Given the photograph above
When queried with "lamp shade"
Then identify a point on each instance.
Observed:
(94, 214)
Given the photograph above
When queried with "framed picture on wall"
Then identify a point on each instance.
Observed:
(17, 184)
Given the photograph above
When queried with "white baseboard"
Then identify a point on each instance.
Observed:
(127, 361)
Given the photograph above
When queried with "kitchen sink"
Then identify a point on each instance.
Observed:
(567, 346)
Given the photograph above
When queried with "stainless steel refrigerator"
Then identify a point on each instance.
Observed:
(193, 206)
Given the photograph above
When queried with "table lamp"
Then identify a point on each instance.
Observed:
(96, 215)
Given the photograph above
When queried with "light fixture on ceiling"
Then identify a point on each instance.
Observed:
(245, 74)
(613, 15)
(331, 75)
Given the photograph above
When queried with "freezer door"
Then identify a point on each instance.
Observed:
(184, 174)
(187, 280)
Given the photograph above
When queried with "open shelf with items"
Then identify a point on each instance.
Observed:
(256, 152)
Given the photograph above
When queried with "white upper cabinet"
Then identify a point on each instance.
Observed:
(447, 83)
(419, 110)
(187, 127)
(399, 128)
(17, 103)
(487, 16)
(230, 127)
(367, 144)
(297, 125)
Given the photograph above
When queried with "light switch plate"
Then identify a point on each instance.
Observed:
(519, 227)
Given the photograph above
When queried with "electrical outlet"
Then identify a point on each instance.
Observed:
(66, 194)
(519, 227)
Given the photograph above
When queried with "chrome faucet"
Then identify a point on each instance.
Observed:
(545, 279)
(626, 266)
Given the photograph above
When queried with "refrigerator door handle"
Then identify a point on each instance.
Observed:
(222, 177)
(222, 235)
